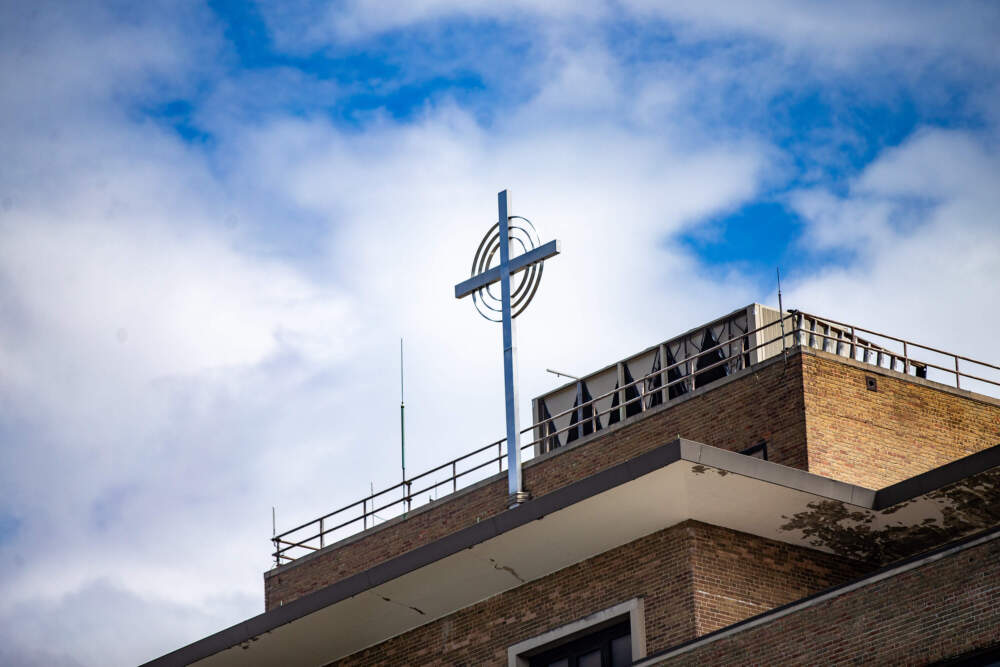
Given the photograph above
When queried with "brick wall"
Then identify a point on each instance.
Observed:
(737, 575)
(878, 438)
(682, 573)
(732, 414)
(944, 608)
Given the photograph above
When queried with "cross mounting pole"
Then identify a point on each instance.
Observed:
(515, 485)
(502, 274)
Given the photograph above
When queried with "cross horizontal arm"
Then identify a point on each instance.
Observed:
(520, 262)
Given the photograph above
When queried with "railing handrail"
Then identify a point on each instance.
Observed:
(898, 340)
(793, 333)
(910, 359)
(395, 486)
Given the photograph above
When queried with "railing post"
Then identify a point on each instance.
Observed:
(621, 391)
(409, 500)
(906, 360)
(454, 478)
(958, 385)
(499, 457)
(727, 350)
(364, 514)
(664, 394)
(781, 322)
(688, 367)
(277, 552)
(322, 539)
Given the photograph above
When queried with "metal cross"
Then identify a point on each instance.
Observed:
(507, 233)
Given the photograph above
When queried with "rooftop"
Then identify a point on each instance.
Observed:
(624, 391)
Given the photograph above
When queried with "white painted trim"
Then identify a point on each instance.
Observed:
(518, 654)
(861, 583)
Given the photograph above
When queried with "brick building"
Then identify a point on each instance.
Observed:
(757, 490)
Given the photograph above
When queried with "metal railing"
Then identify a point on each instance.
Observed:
(651, 390)
(388, 503)
(894, 353)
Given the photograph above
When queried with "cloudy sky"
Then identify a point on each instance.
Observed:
(218, 219)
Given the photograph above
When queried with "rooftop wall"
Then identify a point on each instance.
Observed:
(904, 427)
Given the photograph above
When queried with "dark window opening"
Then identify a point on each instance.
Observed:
(583, 417)
(654, 383)
(633, 405)
(610, 647)
(674, 376)
(758, 451)
(708, 359)
(551, 440)
(614, 416)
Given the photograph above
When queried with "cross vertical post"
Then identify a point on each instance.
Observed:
(515, 486)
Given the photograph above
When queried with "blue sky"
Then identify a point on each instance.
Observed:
(217, 220)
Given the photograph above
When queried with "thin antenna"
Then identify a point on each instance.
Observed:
(402, 409)
(781, 317)
(274, 523)
(561, 374)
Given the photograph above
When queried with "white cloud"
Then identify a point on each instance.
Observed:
(101, 624)
(141, 352)
(838, 34)
(308, 24)
(932, 281)
(843, 31)
(193, 333)
(172, 375)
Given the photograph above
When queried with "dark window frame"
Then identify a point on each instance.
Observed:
(574, 649)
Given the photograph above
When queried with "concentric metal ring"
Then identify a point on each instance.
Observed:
(524, 283)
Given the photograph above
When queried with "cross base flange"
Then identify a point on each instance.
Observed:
(515, 499)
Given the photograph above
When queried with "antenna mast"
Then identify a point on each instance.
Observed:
(781, 317)
(402, 409)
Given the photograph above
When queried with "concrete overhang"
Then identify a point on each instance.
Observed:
(675, 482)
